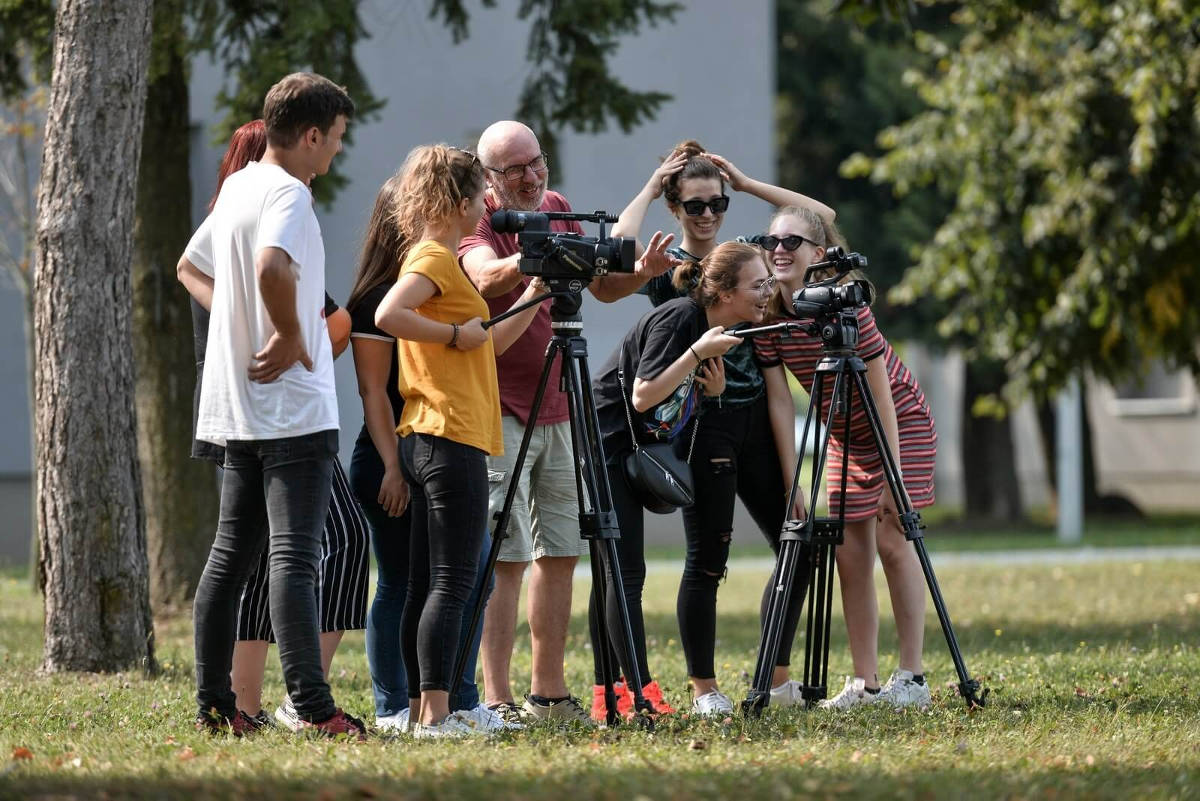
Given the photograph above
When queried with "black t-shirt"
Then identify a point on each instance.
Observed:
(200, 449)
(653, 345)
(362, 324)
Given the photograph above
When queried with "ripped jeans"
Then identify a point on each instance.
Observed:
(734, 457)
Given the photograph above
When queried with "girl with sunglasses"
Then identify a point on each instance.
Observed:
(735, 432)
(796, 239)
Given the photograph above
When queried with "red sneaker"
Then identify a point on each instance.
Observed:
(339, 725)
(239, 725)
(624, 701)
(653, 693)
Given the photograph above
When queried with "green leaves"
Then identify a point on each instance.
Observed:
(26, 42)
(1066, 134)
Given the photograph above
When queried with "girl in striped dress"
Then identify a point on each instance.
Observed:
(797, 238)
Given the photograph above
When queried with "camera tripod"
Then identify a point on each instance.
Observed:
(816, 539)
(597, 519)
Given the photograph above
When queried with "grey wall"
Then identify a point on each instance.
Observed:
(439, 92)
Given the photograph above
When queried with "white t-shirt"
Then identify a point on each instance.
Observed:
(262, 206)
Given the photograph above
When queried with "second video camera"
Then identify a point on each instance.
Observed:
(563, 258)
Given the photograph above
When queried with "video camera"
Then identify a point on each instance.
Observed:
(560, 258)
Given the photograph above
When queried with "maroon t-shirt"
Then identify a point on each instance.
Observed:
(520, 367)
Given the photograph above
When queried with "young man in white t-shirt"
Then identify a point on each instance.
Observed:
(268, 397)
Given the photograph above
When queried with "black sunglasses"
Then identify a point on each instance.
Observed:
(694, 208)
(792, 242)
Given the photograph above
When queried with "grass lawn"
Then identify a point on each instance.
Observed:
(1093, 670)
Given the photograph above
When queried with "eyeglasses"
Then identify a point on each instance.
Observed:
(791, 242)
(517, 171)
(694, 208)
(764, 288)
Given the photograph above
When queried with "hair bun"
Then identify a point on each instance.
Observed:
(690, 148)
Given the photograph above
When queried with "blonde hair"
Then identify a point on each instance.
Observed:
(825, 234)
(717, 272)
(434, 180)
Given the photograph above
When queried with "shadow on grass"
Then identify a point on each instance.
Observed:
(601, 777)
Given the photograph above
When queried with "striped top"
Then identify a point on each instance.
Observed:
(800, 353)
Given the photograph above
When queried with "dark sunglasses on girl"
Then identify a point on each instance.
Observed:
(792, 242)
(694, 208)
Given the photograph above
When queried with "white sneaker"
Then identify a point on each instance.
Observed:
(397, 723)
(487, 720)
(456, 725)
(714, 704)
(901, 691)
(286, 715)
(787, 694)
(853, 694)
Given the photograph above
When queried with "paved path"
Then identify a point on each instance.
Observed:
(1038, 556)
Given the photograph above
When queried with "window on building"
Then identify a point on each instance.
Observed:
(1162, 392)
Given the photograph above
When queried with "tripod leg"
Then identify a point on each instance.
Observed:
(910, 520)
(500, 532)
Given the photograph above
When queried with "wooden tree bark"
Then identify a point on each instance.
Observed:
(180, 494)
(88, 483)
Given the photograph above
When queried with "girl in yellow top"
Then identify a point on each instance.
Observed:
(451, 417)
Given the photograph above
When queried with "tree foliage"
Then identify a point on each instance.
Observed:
(1068, 135)
(570, 42)
(26, 44)
(258, 43)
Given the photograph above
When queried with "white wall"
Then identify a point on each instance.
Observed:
(717, 60)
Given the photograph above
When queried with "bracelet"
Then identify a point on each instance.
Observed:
(698, 359)
(454, 336)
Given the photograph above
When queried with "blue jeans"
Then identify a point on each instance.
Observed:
(278, 490)
(390, 542)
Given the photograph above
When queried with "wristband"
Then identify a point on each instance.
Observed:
(698, 359)
(454, 336)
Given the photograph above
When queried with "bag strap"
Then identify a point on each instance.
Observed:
(629, 418)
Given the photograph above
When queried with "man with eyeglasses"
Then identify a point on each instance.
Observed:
(544, 528)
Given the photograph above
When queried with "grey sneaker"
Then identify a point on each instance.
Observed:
(901, 691)
(853, 694)
(566, 712)
(712, 705)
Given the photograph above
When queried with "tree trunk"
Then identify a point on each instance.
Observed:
(89, 485)
(990, 484)
(179, 493)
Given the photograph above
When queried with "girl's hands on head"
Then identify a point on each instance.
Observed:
(711, 376)
(736, 179)
(715, 342)
(656, 261)
(471, 334)
(658, 179)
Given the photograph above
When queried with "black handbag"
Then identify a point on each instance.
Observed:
(661, 480)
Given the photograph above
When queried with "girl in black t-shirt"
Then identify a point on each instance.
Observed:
(671, 357)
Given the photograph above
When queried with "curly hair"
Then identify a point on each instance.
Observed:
(434, 180)
(698, 166)
(717, 272)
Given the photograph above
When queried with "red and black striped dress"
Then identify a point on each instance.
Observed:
(918, 440)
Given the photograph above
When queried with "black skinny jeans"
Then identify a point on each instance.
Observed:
(278, 490)
(734, 456)
(449, 520)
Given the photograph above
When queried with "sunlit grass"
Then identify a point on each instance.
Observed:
(1091, 669)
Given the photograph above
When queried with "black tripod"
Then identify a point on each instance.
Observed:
(597, 519)
(810, 544)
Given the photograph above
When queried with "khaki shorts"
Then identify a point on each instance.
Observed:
(545, 510)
